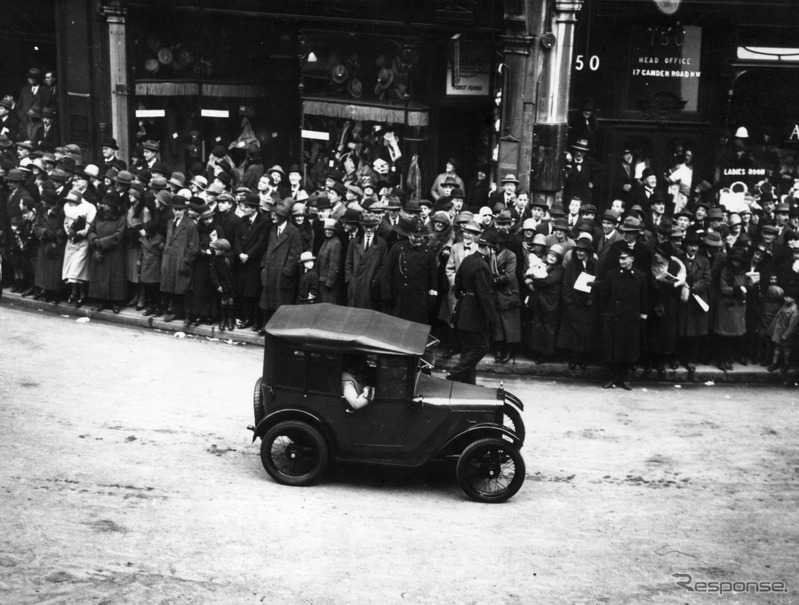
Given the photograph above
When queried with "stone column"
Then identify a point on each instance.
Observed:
(551, 128)
(524, 24)
(118, 76)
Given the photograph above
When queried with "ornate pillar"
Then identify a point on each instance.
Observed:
(118, 75)
(524, 21)
(551, 129)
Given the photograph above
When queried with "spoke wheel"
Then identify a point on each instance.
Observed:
(258, 403)
(512, 420)
(294, 453)
(490, 470)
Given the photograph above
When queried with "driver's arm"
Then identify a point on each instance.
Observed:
(350, 387)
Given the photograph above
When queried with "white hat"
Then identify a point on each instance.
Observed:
(306, 256)
(485, 210)
(742, 133)
(528, 224)
(330, 223)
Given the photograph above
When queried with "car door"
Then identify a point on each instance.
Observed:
(384, 422)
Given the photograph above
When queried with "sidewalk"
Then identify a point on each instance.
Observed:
(128, 316)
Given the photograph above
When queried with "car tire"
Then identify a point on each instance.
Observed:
(490, 470)
(512, 420)
(258, 403)
(294, 453)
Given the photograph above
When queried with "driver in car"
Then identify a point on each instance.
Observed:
(355, 393)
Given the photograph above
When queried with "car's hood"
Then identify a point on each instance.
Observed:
(446, 392)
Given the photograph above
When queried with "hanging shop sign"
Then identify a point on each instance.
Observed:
(665, 60)
(468, 67)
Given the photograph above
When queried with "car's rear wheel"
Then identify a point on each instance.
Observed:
(512, 420)
(294, 453)
(490, 470)
(258, 403)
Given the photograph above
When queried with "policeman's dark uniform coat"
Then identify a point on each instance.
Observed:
(623, 297)
(250, 239)
(362, 272)
(408, 275)
(280, 263)
(476, 315)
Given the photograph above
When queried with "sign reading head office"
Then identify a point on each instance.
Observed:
(665, 59)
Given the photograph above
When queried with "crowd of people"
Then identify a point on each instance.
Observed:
(653, 280)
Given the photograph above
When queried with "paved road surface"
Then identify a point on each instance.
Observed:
(128, 477)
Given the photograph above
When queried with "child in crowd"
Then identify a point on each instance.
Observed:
(782, 331)
(152, 247)
(771, 303)
(222, 280)
(308, 289)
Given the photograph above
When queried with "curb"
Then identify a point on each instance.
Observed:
(752, 374)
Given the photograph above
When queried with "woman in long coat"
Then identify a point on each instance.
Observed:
(137, 215)
(545, 304)
(329, 265)
(78, 218)
(49, 228)
(730, 316)
(579, 326)
(507, 300)
(666, 280)
(107, 268)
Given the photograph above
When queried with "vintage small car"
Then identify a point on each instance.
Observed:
(303, 418)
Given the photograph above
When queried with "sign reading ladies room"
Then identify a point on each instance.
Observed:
(665, 59)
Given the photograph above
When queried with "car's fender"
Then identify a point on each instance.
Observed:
(456, 444)
(283, 415)
(513, 400)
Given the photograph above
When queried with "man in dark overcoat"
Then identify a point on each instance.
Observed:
(631, 230)
(476, 316)
(584, 173)
(180, 250)
(249, 244)
(362, 267)
(623, 301)
(49, 229)
(692, 325)
(409, 279)
(280, 263)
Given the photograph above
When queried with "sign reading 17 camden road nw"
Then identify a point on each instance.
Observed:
(665, 59)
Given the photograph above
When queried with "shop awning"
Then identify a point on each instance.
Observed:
(417, 115)
(183, 88)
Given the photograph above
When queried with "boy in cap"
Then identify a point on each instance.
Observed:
(180, 249)
(308, 289)
(221, 273)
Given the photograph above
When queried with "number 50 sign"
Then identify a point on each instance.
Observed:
(582, 62)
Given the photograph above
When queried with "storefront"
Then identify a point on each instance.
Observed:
(681, 80)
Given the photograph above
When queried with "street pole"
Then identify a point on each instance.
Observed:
(118, 70)
(551, 126)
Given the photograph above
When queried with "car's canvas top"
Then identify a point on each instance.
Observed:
(335, 327)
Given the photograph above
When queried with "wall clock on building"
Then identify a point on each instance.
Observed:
(668, 7)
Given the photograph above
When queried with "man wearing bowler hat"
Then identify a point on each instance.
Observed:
(280, 274)
(33, 93)
(249, 244)
(630, 229)
(109, 149)
(365, 257)
(582, 176)
(475, 316)
(180, 249)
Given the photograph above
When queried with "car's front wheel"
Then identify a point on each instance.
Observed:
(490, 470)
(294, 453)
